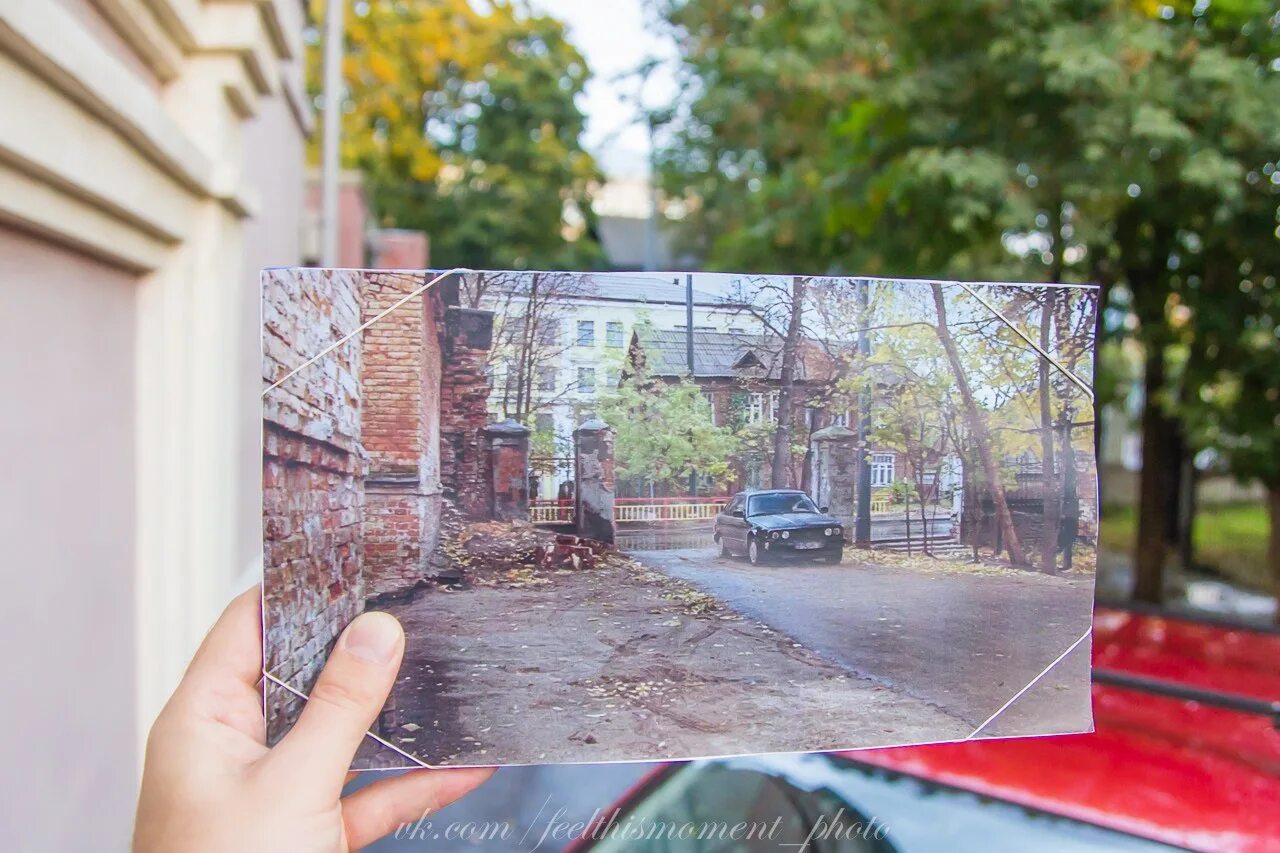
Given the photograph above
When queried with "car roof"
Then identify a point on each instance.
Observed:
(1194, 774)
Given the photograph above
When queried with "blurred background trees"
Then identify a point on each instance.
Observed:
(1130, 144)
(463, 121)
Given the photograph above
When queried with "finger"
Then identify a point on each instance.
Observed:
(345, 701)
(233, 647)
(384, 806)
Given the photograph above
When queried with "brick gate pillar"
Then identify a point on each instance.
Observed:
(464, 408)
(835, 475)
(509, 463)
(593, 473)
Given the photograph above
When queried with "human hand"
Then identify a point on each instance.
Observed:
(211, 784)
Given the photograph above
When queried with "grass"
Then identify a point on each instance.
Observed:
(1230, 539)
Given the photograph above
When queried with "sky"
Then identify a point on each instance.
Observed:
(613, 37)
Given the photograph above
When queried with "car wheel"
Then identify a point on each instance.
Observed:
(754, 553)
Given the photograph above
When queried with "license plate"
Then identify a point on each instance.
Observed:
(807, 546)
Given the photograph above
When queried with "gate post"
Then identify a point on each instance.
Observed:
(836, 472)
(593, 475)
(509, 464)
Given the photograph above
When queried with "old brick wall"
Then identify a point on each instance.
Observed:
(464, 404)
(400, 381)
(312, 477)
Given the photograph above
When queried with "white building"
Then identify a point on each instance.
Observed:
(583, 341)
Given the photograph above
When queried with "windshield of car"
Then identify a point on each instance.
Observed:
(825, 803)
(779, 502)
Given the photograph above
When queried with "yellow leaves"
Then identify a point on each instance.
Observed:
(425, 166)
(381, 68)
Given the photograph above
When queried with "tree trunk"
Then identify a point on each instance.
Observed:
(781, 467)
(1051, 501)
(981, 436)
(924, 519)
(1154, 485)
(1069, 525)
(1184, 540)
(906, 515)
(1273, 541)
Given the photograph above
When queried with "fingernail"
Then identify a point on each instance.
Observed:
(373, 637)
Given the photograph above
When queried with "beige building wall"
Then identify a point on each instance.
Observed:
(150, 163)
(67, 522)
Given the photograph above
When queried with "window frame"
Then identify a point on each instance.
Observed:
(612, 326)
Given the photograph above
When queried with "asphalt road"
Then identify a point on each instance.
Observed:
(962, 641)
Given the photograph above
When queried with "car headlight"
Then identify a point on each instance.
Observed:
(773, 535)
(786, 534)
(829, 531)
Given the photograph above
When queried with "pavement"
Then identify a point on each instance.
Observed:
(965, 641)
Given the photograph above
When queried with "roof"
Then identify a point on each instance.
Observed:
(730, 354)
(642, 288)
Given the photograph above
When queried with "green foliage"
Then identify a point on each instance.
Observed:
(665, 432)
(464, 122)
(1134, 144)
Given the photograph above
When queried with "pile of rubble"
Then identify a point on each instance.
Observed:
(470, 550)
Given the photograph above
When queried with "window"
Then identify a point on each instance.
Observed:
(762, 408)
(586, 380)
(612, 378)
(546, 379)
(711, 405)
(549, 332)
(586, 333)
(544, 422)
(882, 473)
(779, 503)
(613, 334)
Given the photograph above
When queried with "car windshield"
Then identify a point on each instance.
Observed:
(823, 804)
(779, 502)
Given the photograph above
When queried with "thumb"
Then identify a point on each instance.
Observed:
(345, 701)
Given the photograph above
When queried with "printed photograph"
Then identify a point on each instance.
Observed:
(642, 516)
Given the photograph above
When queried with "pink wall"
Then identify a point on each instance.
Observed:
(67, 724)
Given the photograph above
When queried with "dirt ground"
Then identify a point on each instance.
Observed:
(619, 662)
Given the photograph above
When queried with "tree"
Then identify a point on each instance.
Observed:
(463, 119)
(665, 432)
(529, 341)
(780, 309)
(977, 427)
(1128, 143)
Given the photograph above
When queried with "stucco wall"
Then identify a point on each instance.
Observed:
(67, 721)
(272, 238)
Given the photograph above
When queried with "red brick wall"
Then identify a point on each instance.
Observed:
(399, 249)
(312, 476)
(465, 464)
(400, 381)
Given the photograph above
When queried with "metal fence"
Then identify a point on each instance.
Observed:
(554, 511)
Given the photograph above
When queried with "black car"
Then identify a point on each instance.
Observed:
(777, 523)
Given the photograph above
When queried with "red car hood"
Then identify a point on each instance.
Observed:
(1164, 768)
